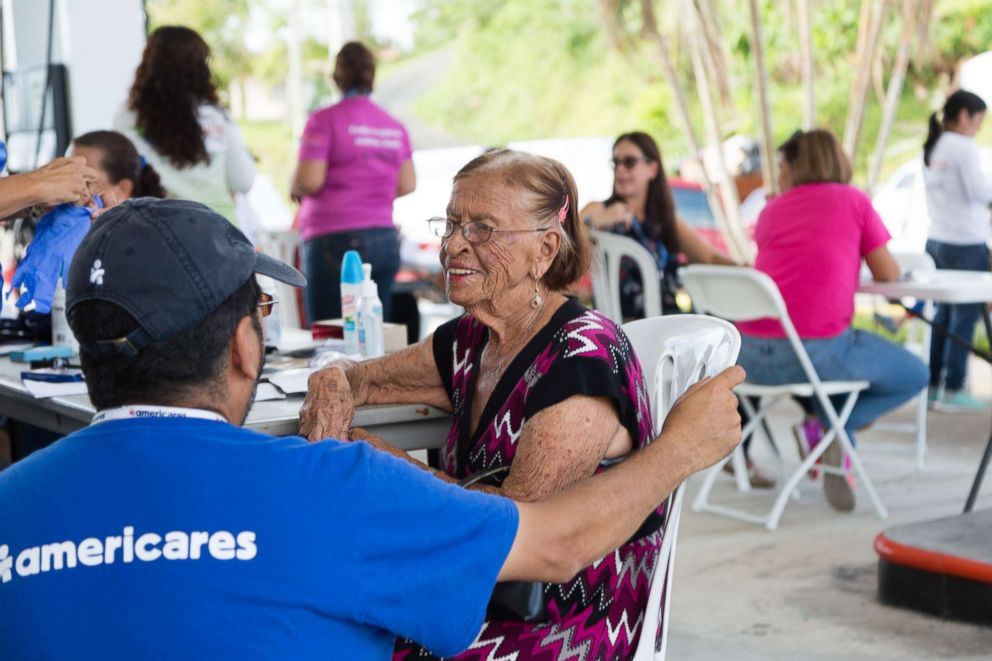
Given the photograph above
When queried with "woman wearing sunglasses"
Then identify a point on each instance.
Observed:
(540, 388)
(642, 208)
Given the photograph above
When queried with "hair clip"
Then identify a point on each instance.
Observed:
(563, 211)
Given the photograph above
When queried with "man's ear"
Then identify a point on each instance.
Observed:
(245, 347)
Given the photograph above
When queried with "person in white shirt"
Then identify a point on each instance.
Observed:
(958, 196)
(174, 118)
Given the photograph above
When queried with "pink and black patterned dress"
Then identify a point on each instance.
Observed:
(598, 614)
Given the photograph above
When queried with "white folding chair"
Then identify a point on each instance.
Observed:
(918, 344)
(610, 249)
(674, 353)
(282, 246)
(743, 294)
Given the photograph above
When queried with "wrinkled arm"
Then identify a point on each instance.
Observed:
(405, 377)
(560, 446)
(559, 536)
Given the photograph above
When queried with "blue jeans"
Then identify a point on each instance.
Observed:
(948, 359)
(895, 374)
(322, 257)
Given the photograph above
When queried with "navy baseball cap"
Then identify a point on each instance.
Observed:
(169, 263)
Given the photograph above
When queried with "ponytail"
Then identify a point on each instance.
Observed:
(960, 100)
(148, 183)
(934, 130)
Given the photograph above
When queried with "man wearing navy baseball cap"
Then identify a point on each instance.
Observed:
(165, 530)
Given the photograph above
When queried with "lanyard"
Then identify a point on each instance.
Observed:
(149, 411)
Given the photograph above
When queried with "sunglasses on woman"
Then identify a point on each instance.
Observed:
(627, 162)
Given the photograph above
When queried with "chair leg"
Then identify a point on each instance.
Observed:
(702, 500)
(921, 430)
(859, 468)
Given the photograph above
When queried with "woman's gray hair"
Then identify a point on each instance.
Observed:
(556, 204)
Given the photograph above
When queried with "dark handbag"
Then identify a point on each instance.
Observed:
(511, 600)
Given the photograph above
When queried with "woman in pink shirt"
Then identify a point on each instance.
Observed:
(811, 240)
(354, 160)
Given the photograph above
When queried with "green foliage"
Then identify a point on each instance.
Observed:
(962, 28)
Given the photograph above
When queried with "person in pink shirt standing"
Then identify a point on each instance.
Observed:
(354, 160)
(811, 240)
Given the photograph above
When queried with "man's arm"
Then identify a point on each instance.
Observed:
(559, 536)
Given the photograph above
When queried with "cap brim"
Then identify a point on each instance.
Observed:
(278, 270)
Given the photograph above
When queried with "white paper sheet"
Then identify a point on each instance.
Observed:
(267, 391)
(45, 389)
(292, 382)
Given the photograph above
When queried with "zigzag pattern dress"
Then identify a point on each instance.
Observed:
(598, 614)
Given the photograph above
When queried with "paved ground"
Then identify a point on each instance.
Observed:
(807, 591)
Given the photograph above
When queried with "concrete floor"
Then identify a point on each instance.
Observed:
(807, 590)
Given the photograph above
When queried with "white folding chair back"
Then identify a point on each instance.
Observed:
(610, 249)
(744, 294)
(282, 246)
(674, 352)
(917, 343)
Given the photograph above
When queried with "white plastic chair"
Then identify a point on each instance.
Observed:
(674, 353)
(610, 249)
(918, 344)
(282, 246)
(743, 294)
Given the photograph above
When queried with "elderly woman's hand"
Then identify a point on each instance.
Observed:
(328, 408)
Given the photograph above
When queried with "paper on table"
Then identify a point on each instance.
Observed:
(291, 382)
(45, 389)
(267, 391)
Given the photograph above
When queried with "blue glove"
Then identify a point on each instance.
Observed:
(59, 233)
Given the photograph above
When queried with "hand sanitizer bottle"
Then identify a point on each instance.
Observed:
(372, 323)
(351, 289)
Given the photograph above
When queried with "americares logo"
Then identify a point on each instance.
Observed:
(126, 548)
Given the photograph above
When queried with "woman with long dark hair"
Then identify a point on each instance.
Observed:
(642, 208)
(123, 173)
(174, 117)
(958, 197)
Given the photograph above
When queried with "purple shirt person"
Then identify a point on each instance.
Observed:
(354, 160)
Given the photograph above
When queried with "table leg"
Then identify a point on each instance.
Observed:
(976, 486)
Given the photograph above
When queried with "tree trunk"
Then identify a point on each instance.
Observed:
(764, 110)
(715, 57)
(728, 213)
(806, 50)
(859, 93)
(910, 26)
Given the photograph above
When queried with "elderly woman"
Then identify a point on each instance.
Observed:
(534, 381)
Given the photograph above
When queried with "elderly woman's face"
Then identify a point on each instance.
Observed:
(477, 273)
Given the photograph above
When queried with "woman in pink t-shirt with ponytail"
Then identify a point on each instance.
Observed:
(354, 160)
(811, 240)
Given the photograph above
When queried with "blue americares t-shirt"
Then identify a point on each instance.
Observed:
(180, 538)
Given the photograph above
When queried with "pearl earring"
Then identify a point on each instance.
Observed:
(537, 301)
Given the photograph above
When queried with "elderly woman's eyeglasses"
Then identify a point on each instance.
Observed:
(265, 304)
(475, 232)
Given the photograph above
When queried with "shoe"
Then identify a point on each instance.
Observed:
(933, 396)
(959, 400)
(836, 488)
(757, 479)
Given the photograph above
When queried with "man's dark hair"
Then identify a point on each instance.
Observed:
(165, 372)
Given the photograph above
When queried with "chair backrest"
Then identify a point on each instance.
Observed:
(674, 352)
(282, 246)
(740, 293)
(610, 249)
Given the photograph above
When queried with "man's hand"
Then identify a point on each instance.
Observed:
(704, 422)
(328, 408)
(62, 180)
